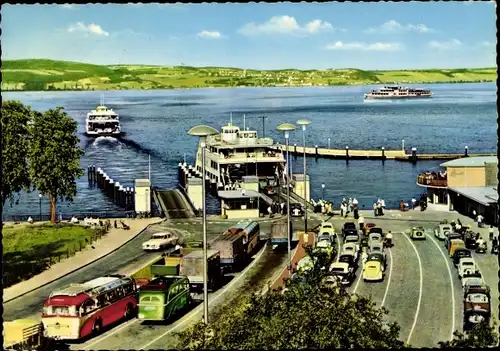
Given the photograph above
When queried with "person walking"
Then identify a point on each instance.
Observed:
(413, 203)
(480, 220)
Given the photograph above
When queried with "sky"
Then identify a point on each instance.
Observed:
(404, 35)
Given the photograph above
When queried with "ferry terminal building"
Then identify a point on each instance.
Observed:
(469, 184)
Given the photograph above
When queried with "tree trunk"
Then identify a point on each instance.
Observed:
(52, 208)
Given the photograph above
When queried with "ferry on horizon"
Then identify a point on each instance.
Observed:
(102, 121)
(398, 92)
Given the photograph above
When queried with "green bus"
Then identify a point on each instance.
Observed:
(163, 296)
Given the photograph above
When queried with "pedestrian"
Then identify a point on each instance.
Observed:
(116, 225)
(342, 209)
(382, 203)
(474, 214)
(282, 208)
(355, 202)
(356, 213)
(413, 203)
(491, 231)
(269, 210)
(361, 222)
(480, 220)
(350, 205)
(379, 209)
(375, 209)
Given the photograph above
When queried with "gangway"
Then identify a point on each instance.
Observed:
(174, 204)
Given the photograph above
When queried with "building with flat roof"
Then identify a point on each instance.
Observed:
(468, 184)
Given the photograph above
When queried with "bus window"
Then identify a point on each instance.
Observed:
(145, 299)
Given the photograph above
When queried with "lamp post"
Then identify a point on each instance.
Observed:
(40, 205)
(287, 128)
(202, 132)
(323, 191)
(304, 123)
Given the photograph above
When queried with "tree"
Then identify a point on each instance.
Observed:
(15, 147)
(481, 336)
(308, 314)
(55, 156)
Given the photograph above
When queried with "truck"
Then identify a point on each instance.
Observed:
(170, 264)
(25, 334)
(191, 266)
(233, 254)
(278, 233)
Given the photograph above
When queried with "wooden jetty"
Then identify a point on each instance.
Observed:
(381, 154)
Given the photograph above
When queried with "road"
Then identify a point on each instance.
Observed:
(421, 289)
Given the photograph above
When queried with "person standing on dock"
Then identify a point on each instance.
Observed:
(413, 203)
(382, 204)
(375, 209)
(342, 209)
(361, 222)
(351, 206)
(355, 203)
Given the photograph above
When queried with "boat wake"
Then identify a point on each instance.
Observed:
(105, 140)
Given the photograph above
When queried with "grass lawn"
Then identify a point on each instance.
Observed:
(30, 249)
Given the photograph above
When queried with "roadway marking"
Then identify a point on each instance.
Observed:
(419, 290)
(451, 286)
(388, 279)
(123, 326)
(199, 308)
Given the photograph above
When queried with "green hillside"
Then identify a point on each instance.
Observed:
(65, 75)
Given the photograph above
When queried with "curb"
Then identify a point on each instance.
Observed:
(85, 265)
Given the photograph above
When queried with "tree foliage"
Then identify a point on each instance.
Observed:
(481, 336)
(308, 314)
(55, 156)
(15, 147)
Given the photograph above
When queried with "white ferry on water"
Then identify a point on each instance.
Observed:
(398, 92)
(235, 152)
(102, 121)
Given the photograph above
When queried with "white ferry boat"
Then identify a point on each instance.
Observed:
(398, 92)
(102, 121)
(235, 152)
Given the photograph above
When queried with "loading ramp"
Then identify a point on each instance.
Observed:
(174, 204)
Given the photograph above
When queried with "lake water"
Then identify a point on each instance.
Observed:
(157, 122)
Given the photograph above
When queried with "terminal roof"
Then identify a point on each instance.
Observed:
(482, 194)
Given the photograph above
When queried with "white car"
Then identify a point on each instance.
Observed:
(354, 239)
(327, 228)
(472, 281)
(160, 241)
(375, 237)
(376, 247)
(352, 249)
(442, 231)
(466, 264)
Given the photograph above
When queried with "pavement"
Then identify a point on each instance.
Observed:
(421, 288)
(114, 239)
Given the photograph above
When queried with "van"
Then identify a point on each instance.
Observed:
(456, 244)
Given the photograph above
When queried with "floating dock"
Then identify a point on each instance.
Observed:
(381, 154)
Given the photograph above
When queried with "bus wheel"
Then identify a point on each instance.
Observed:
(96, 330)
(128, 312)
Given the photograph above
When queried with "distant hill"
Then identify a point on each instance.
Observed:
(38, 74)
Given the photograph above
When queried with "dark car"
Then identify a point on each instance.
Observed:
(460, 253)
(376, 230)
(349, 259)
(470, 240)
(348, 225)
(296, 210)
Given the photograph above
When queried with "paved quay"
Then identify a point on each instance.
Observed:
(102, 247)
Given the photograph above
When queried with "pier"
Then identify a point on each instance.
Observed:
(120, 195)
(380, 154)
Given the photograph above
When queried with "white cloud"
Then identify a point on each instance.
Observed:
(68, 6)
(285, 25)
(92, 29)
(445, 45)
(209, 34)
(393, 26)
(486, 44)
(339, 45)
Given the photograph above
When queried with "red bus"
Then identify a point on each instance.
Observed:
(79, 310)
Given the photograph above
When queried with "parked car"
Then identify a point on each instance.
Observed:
(373, 269)
(477, 306)
(160, 241)
(376, 248)
(354, 239)
(342, 270)
(296, 210)
(376, 230)
(374, 237)
(348, 226)
(348, 258)
(352, 249)
(327, 228)
(472, 279)
(417, 233)
(380, 257)
(466, 264)
(459, 254)
(456, 244)
(442, 230)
